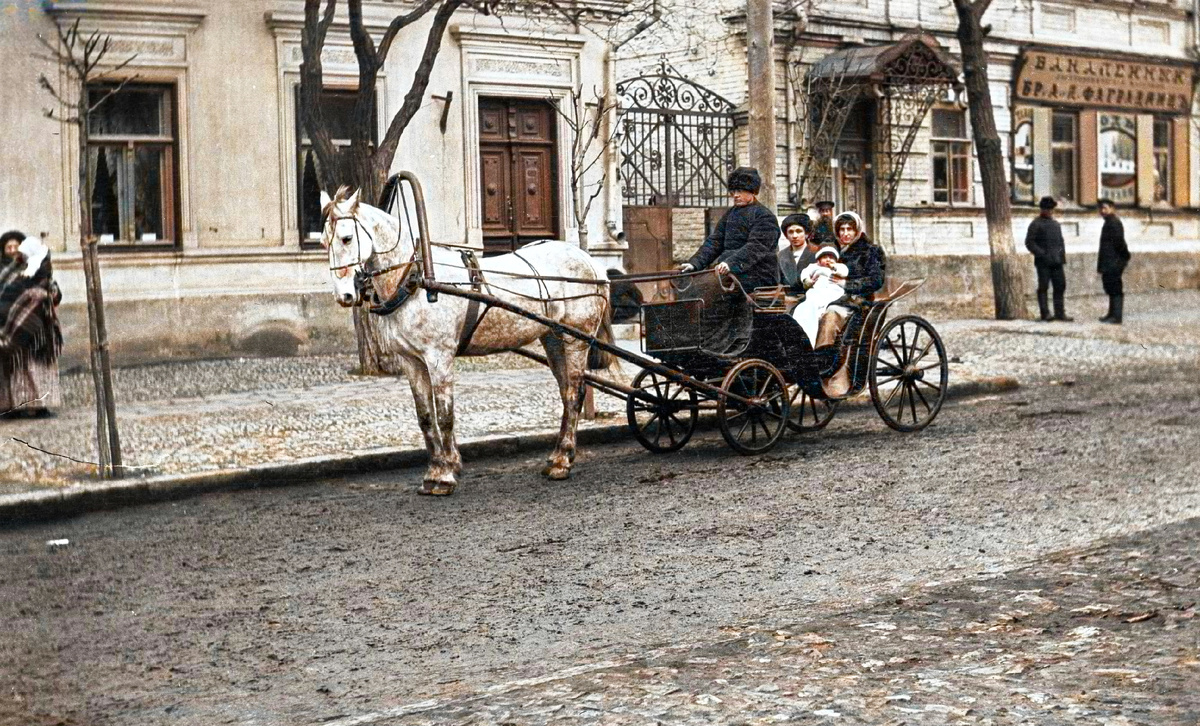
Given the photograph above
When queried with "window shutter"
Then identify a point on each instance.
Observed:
(1043, 166)
(1181, 152)
(1089, 158)
(1145, 160)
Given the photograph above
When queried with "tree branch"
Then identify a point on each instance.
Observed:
(399, 23)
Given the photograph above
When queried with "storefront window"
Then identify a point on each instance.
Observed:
(131, 150)
(951, 152)
(1063, 139)
(1022, 154)
(338, 106)
(1118, 157)
(1162, 159)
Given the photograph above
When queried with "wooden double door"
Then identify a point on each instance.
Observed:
(518, 163)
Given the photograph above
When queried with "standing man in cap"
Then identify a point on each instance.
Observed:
(745, 240)
(1110, 263)
(1044, 239)
(823, 231)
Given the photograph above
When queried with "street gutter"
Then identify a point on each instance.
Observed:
(45, 505)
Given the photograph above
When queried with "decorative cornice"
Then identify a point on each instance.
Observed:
(163, 13)
(501, 35)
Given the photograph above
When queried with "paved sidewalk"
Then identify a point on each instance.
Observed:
(1103, 636)
(208, 416)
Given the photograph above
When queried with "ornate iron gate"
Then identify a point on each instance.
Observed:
(677, 145)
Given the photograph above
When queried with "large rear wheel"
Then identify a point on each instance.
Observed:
(909, 374)
(664, 417)
(808, 414)
(753, 427)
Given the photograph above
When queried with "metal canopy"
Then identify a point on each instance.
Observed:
(906, 77)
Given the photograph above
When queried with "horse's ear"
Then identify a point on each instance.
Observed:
(326, 200)
(353, 200)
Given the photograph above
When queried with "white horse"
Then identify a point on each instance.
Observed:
(368, 257)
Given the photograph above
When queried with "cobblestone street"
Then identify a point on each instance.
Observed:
(209, 415)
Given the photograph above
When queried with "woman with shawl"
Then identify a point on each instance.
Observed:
(30, 336)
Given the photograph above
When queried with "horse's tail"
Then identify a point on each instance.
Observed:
(599, 359)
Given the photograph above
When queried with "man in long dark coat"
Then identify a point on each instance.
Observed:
(1111, 261)
(823, 231)
(1044, 239)
(745, 240)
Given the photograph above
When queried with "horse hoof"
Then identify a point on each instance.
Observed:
(557, 473)
(436, 489)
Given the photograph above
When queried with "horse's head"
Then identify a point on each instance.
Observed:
(362, 242)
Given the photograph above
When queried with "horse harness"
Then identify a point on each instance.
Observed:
(474, 317)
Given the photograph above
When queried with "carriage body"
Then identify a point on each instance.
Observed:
(751, 346)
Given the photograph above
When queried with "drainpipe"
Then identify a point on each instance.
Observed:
(789, 94)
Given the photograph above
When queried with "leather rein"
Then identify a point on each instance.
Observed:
(364, 279)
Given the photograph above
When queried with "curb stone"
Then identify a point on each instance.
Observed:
(42, 505)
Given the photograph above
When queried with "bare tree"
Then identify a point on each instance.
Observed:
(822, 108)
(1008, 274)
(590, 136)
(81, 60)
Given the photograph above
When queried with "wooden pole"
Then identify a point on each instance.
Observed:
(760, 61)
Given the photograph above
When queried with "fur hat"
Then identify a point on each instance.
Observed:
(745, 179)
(829, 250)
(792, 220)
(1047, 203)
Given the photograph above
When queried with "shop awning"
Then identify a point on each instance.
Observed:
(913, 59)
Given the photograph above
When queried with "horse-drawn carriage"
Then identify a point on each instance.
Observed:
(749, 357)
(711, 347)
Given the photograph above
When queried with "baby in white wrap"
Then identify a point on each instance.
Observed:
(825, 282)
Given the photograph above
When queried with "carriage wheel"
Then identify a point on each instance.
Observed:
(753, 429)
(909, 374)
(667, 423)
(808, 414)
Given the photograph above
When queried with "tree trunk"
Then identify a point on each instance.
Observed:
(1008, 272)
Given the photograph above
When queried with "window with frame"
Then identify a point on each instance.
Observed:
(338, 107)
(1118, 157)
(1163, 159)
(1064, 138)
(951, 153)
(132, 152)
(1022, 154)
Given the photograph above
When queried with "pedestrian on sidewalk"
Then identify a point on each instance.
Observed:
(1111, 261)
(1044, 239)
(30, 336)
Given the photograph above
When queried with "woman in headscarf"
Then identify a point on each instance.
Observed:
(866, 267)
(30, 336)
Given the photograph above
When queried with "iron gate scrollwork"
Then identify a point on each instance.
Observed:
(677, 143)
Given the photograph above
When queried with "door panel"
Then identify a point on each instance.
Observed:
(518, 164)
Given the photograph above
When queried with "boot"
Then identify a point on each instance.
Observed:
(1108, 317)
(1118, 303)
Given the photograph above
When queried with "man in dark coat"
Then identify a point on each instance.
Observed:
(823, 229)
(745, 240)
(800, 252)
(1111, 261)
(1044, 239)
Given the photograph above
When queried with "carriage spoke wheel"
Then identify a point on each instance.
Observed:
(753, 428)
(909, 374)
(809, 414)
(666, 422)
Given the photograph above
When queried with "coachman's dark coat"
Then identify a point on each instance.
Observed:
(746, 239)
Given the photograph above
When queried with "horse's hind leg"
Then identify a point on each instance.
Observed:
(568, 360)
(439, 477)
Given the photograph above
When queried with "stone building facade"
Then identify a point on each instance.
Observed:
(1092, 100)
(203, 188)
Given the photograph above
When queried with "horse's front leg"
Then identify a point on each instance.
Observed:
(568, 361)
(441, 379)
(440, 476)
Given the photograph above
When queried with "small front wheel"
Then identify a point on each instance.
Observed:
(753, 421)
(909, 374)
(663, 414)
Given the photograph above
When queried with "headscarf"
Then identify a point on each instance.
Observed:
(858, 224)
(797, 219)
(35, 253)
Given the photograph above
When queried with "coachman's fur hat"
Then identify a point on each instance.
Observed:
(745, 179)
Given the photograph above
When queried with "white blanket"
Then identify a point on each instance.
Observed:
(826, 286)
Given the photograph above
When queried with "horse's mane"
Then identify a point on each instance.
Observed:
(341, 195)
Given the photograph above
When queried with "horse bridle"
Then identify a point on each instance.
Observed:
(364, 278)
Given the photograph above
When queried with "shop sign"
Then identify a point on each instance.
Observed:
(1076, 80)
